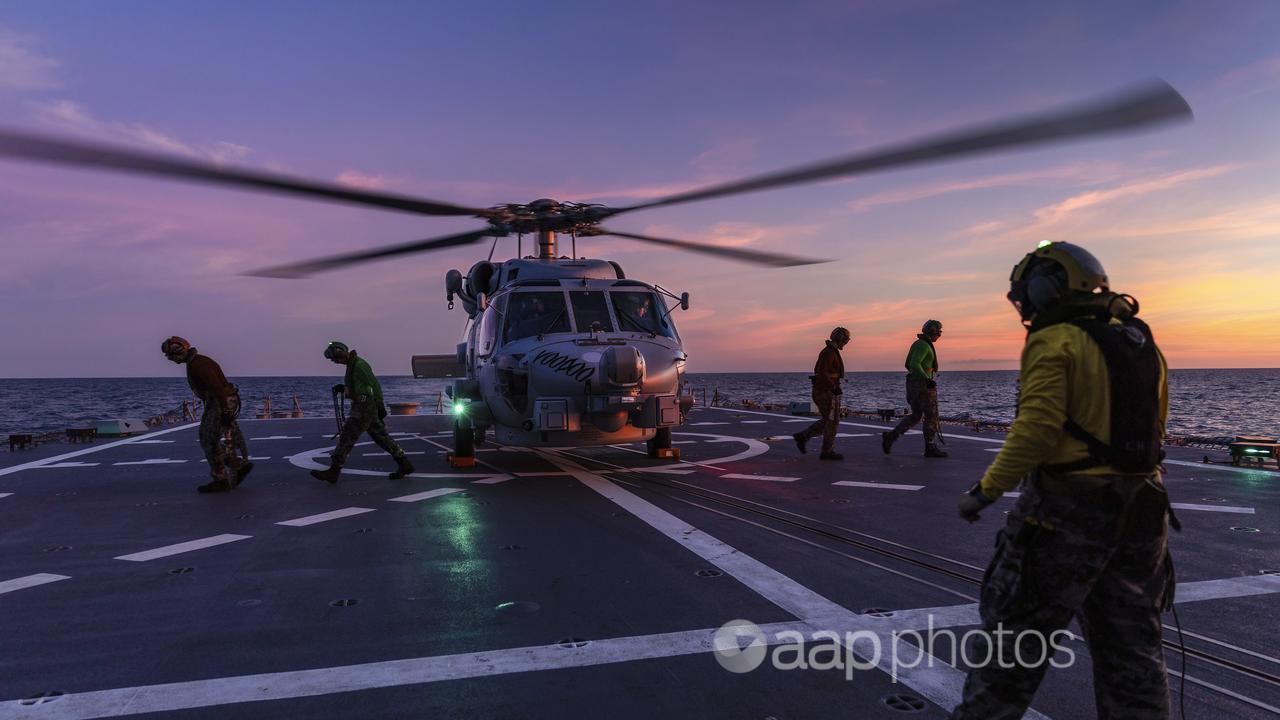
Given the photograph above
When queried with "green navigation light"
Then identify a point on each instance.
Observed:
(459, 408)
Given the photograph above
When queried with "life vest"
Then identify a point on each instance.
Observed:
(1133, 373)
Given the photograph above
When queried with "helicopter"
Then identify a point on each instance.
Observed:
(560, 350)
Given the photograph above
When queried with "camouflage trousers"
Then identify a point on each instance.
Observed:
(828, 419)
(924, 406)
(212, 428)
(364, 417)
(1099, 555)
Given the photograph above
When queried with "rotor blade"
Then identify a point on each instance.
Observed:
(310, 267)
(752, 256)
(1154, 103)
(25, 146)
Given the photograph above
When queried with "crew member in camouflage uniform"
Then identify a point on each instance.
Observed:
(1088, 537)
(922, 393)
(828, 371)
(221, 406)
(367, 412)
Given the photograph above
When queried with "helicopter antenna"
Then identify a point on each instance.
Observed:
(493, 247)
(520, 245)
(574, 244)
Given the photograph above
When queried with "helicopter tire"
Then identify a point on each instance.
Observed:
(661, 440)
(464, 440)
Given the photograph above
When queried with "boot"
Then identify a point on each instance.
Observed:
(403, 467)
(801, 440)
(934, 451)
(330, 475)
(830, 455)
(887, 439)
(215, 485)
(242, 472)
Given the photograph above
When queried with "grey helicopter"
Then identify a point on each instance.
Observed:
(560, 350)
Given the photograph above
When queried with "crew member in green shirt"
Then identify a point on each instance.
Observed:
(922, 393)
(367, 412)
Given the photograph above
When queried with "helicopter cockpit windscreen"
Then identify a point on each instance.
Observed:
(640, 311)
(535, 313)
(589, 309)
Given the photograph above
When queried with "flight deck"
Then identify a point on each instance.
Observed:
(566, 582)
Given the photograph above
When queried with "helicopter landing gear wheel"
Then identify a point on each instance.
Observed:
(464, 447)
(659, 446)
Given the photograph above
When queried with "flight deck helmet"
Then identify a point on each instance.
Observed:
(1052, 274)
(841, 336)
(333, 348)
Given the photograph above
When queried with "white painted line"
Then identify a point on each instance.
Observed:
(5, 495)
(1213, 508)
(254, 457)
(771, 478)
(709, 423)
(1227, 588)
(383, 454)
(753, 422)
(72, 464)
(551, 473)
(180, 548)
(153, 442)
(322, 517)
(1219, 466)
(853, 435)
(941, 687)
(949, 435)
(494, 480)
(278, 437)
(152, 461)
(803, 420)
(883, 486)
(424, 495)
(23, 583)
(683, 442)
(86, 451)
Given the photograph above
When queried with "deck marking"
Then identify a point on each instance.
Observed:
(324, 517)
(861, 425)
(840, 435)
(420, 671)
(152, 442)
(278, 437)
(548, 473)
(423, 495)
(497, 479)
(22, 583)
(152, 461)
(72, 464)
(1219, 466)
(708, 423)
(5, 495)
(86, 451)
(771, 478)
(940, 683)
(753, 422)
(1213, 508)
(883, 486)
(383, 454)
(180, 548)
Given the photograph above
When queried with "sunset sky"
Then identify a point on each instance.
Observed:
(617, 102)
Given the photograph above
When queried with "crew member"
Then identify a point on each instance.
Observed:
(827, 374)
(922, 393)
(367, 412)
(221, 406)
(1088, 537)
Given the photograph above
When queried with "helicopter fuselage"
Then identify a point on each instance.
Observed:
(566, 352)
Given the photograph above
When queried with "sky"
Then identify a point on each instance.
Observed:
(482, 103)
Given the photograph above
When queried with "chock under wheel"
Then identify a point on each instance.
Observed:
(460, 461)
(672, 453)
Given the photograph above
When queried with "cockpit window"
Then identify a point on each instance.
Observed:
(535, 313)
(640, 311)
(589, 309)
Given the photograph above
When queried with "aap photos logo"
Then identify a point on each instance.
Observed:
(740, 646)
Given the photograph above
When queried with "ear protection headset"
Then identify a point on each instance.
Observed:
(333, 348)
(840, 335)
(175, 347)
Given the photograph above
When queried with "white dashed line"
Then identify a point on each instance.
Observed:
(5, 495)
(23, 583)
(152, 461)
(66, 465)
(152, 442)
(324, 517)
(180, 548)
(278, 437)
(1213, 508)
(753, 422)
(424, 495)
(709, 423)
(882, 486)
(770, 478)
(491, 480)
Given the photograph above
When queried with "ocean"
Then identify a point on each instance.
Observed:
(1203, 403)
